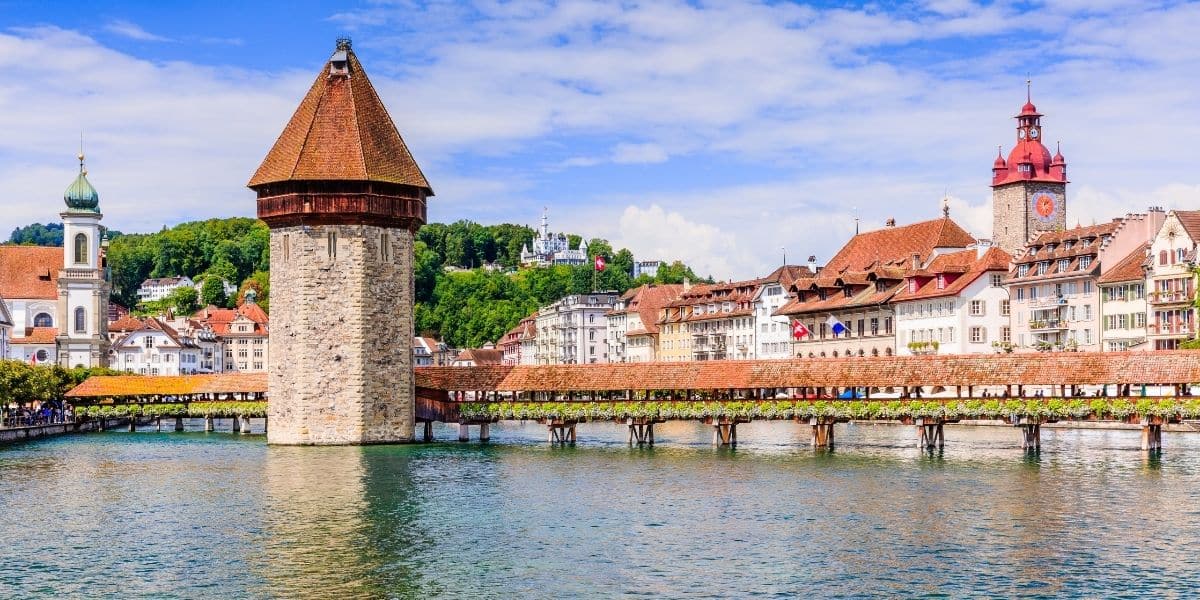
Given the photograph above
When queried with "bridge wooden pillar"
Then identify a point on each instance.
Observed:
(245, 424)
(208, 423)
(427, 431)
(178, 423)
(1152, 434)
(724, 432)
(560, 432)
(464, 432)
(822, 432)
(930, 434)
(1031, 433)
(485, 432)
(641, 431)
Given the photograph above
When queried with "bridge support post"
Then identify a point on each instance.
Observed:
(464, 432)
(931, 434)
(158, 424)
(427, 433)
(822, 433)
(1151, 436)
(560, 432)
(485, 432)
(245, 423)
(132, 423)
(1031, 437)
(725, 432)
(208, 423)
(641, 431)
(178, 423)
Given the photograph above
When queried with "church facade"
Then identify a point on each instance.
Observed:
(58, 297)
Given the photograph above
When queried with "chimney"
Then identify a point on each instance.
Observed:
(982, 246)
(891, 222)
(916, 262)
(687, 285)
(812, 264)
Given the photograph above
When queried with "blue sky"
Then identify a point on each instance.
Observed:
(713, 132)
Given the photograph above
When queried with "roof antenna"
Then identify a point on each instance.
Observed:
(1028, 87)
(855, 220)
(946, 204)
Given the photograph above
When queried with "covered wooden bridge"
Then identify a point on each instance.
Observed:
(1026, 390)
(237, 396)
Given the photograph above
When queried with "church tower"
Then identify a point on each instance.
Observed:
(1029, 190)
(343, 198)
(83, 286)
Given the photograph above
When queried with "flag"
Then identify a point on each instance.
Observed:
(835, 326)
(599, 263)
(33, 359)
(799, 330)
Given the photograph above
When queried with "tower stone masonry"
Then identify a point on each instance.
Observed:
(343, 198)
(1029, 188)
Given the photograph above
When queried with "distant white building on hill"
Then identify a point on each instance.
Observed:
(156, 289)
(552, 249)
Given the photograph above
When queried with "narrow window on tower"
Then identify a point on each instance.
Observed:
(385, 247)
(287, 247)
(331, 240)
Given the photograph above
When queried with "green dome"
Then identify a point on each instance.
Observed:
(81, 196)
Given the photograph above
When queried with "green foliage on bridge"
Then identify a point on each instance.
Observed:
(169, 409)
(1042, 408)
(23, 383)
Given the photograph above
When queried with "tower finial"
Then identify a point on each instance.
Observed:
(946, 205)
(1028, 88)
(343, 43)
(80, 155)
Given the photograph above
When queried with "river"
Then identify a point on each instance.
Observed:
(195, 515)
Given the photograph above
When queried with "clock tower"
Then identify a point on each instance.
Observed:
(1029, 189)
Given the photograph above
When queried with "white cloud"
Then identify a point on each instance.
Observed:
(653, 232)
(627, 154)
(133, 31)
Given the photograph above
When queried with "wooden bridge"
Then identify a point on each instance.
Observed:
(1025, 390)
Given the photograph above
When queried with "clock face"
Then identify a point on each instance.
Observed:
(1021, 133)
(1045, 206)
(1033, 133)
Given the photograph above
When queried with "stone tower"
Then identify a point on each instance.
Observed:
(1029, 190)
(83, 285)
(343, 198)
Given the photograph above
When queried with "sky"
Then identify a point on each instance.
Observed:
(725, 134)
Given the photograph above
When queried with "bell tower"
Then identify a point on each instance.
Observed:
(1029, 189)
(343, 198)
(83, 285)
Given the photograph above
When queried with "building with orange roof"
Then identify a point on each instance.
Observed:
(6, 325)
(428, 352)
(773, 332)
(1053, 282)
(512, 344)
(632, 324)
(244, 334)
(1171, 283)
(856, 287)
(955, 303)
(156, 348)
(487, 356)
(1123, 308)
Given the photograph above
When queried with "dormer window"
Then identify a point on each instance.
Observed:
(912, 286)
(846, 292)
(1063, 264)
(941, 282)
(1085, 262)
(1042, 267)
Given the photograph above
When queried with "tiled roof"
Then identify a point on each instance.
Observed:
(341, 131)
(37, 335)
(29, 272)
(125, 324)
(1190, 219)
(1129, 269)
(481, 356)
(1059, 240)
(170, 385)
(960, 269)
(221, 319)
(894, 246)
(1058, 368)
(5, 316)
(649, 300)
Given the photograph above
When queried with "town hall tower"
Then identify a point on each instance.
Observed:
(1029, 190)
(343, 198)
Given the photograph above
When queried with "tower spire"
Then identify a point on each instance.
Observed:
(1028, 88)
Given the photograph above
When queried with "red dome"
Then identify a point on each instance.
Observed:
(1058, 157)
(999, 164)
(1029, 109)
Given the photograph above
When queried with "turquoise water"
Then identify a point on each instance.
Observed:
(195, 515)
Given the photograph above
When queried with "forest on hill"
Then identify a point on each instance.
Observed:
(468, 288)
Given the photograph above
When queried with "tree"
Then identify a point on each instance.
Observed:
(183, 300)
(260, 282)
(212, 292)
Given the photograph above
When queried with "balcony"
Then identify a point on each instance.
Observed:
(1048, 302)
(80, 275)
(1172, 330)
(1047, 325)
(1163, 298)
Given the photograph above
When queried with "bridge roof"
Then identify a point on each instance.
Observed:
(1070, 368)
(116, 386)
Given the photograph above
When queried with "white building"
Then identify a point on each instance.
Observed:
(428, 352)
(156, 289)
(632, 324)
(572, 330)
(649, 268)
(57, 298)
(1123, 304)
(552, 249)
(955, 303)
(773, 333)
(157, 349)
(244, 333)
(1171, 287)
(6, 325)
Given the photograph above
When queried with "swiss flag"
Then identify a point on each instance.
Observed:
(799, 330)
(600, 263)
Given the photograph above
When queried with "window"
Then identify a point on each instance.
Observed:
(887, 326)
(1087, 336)
(1006, 334)
(148, 341)
(287, 247)
(977, 308)
(912, 286)
(1063, 264)
(997, 279)
(43, 320)
(258, 366)
(1020, 294)
(875, 326)
(1162, 257)
(81, 249)
(385, 247)
(1022, 270)
(1005, 308)
(1087, 287)
(941, 282)
(1042, 267)
(80, 320)
(1087, 312)
(331, 244)
(1085, 262)
(1033, 289)
(1139, 319)
(1180, 254)
(42, 356)
(978, 335)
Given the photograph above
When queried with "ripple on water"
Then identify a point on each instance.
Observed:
(195, 515)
